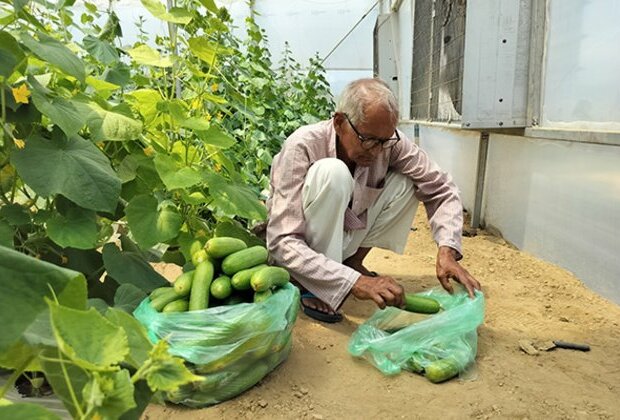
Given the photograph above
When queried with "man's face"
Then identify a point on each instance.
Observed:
(380, 123)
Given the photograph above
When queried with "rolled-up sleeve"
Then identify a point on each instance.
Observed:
(436, 189)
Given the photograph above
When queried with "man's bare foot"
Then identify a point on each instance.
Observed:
(318, 304)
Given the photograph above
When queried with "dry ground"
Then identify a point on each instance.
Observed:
(526, 298)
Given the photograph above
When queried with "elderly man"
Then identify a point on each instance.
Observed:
(343, 186)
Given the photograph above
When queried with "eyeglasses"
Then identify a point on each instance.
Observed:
(372, 142)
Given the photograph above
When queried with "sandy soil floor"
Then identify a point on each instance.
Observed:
(526, 299)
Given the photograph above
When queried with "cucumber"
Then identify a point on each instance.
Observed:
(241, 279)
(179, 305)
(245, 380)
(199, 295)
(224, 246)
(158, 292)
(441, 370)
(165, 298)
(183, 283)
(221, 288)
(421, 304)
(199, 256)
(195, 247)
(268, 277)
(243, 259)
(262, 296)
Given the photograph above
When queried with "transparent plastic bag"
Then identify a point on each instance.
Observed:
(231, 347)
(440, 342)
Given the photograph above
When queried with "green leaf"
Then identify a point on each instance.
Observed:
(151, 223)
(174, 174)
(11, 55)
(6, 234)
(98, 304)
(234, 229)
(176, 14)
(64, 113)
(235, 199)
(145, 102)
(109, 394)
(214, 136)
(196, 124)
(103, 51)
(130, 267)
(74, 167)
(166, 372)
(145, 55)
(54, 52)
(87, 338)
(18, 355)
(203, 48)
(139, 344)
(55, 373)
(25, 281)
(142, 395)
(120, 74)
(210, 5)
(128, 297)
(26, 411)
(101, 85)
(76, 229)
(111, 126)
(15, 214)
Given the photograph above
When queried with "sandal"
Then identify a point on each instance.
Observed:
(316, 313)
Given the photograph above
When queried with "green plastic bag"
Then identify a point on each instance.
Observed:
(231, 347)
(447, 337)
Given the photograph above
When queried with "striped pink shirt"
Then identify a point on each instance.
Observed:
(329, 280)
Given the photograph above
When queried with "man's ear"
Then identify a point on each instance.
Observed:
(339, 120)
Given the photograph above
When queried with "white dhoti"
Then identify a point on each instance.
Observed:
(327, 192)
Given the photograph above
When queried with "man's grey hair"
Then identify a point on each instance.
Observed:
(361, 94)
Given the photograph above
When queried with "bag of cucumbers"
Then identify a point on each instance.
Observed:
(229, 315)
(439, 346)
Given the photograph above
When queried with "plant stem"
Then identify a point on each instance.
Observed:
(65, 374)
(3, 105)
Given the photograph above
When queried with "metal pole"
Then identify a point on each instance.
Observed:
(483, 150)
(172, 30)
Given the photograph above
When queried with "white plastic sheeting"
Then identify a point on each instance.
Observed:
(581, 85)
(559, 201)
(456, 152)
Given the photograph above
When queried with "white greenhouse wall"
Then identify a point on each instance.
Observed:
(559, 201)
(455, 151)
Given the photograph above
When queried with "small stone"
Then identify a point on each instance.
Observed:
(262, 403)
(491, 270)
(501, 384)
(298, 394)
(564, 319)
(328, 360)
(317, 416)
(303, 390)
(547, 306)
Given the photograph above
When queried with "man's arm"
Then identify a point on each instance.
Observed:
(329, 280)
(444, 209)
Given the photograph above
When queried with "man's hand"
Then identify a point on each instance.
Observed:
(382, 289)
(448, 268)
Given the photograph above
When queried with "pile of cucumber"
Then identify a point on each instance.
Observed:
(225, 271)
